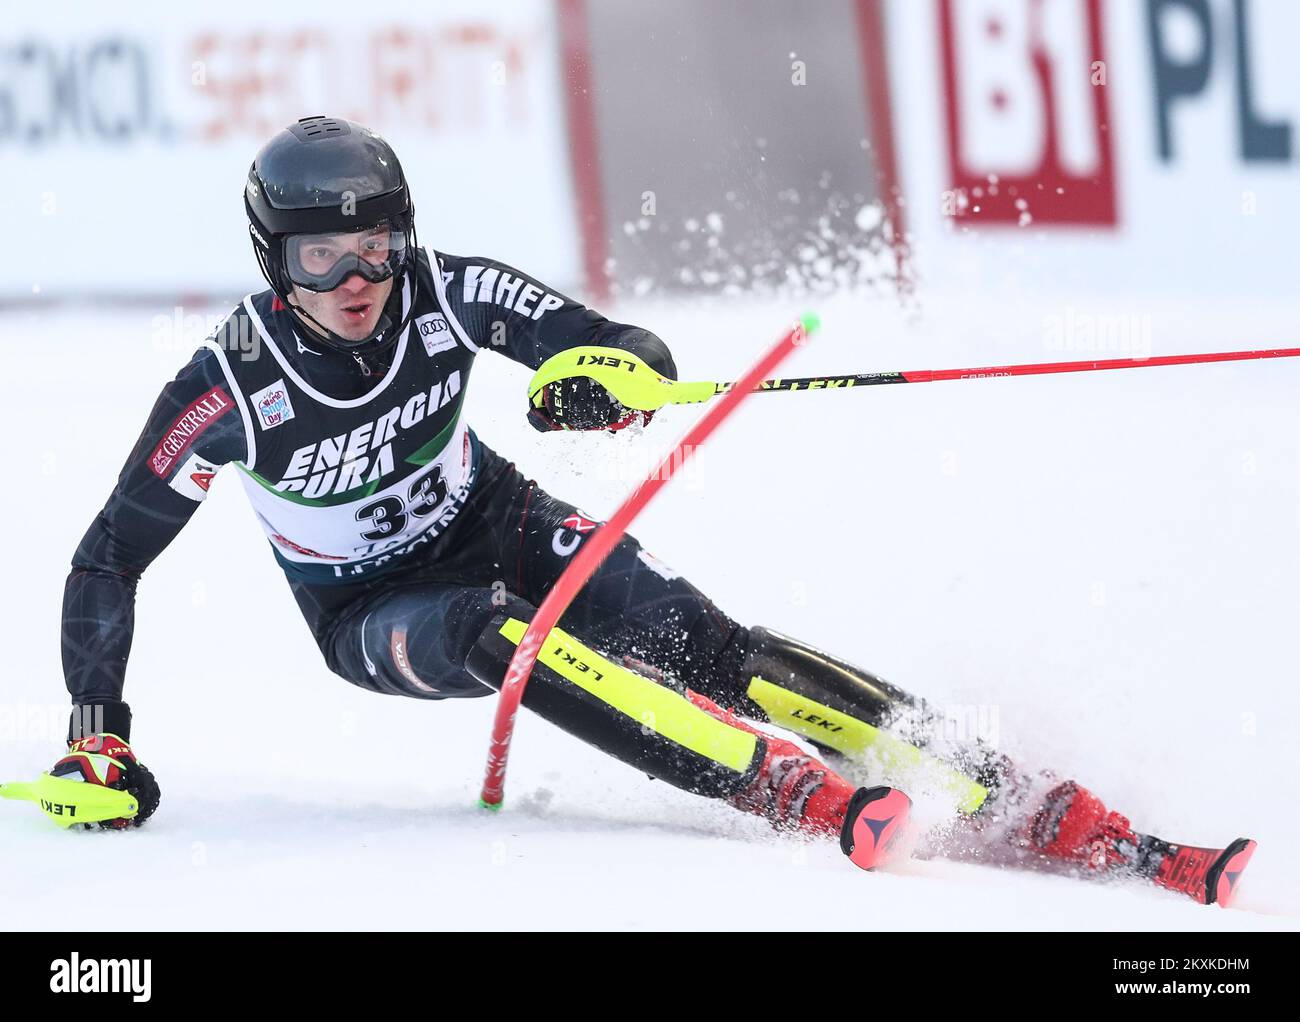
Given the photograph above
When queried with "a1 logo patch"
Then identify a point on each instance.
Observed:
(193, 478)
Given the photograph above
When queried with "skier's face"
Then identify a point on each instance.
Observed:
(352, 309)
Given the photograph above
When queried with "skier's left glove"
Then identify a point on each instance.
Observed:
(106, 759)
(579, 402)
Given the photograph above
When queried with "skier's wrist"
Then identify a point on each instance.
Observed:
(103, 716)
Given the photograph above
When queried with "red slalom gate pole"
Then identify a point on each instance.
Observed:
(597, 548)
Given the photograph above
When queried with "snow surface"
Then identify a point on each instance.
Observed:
(1105, 563)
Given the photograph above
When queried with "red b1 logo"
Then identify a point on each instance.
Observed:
(1028, 121)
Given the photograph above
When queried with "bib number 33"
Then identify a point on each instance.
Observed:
(388, 515)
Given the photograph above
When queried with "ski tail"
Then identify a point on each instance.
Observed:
(875, 820)
(1222, 877)
(1210, 875)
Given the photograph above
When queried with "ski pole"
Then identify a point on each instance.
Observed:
(1029, 369)
(635, 385)
(597, 548)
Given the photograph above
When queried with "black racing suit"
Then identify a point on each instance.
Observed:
(404, 624)
(408, 632)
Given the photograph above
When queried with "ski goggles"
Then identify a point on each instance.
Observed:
(321, 262)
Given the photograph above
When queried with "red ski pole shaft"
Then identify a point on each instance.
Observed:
(1029, 369)
(597, 548)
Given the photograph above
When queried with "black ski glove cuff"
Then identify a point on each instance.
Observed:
(111, 717)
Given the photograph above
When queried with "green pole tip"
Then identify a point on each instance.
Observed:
(493, 806)
(810, 321)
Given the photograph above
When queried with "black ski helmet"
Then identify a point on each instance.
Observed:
(326, 175)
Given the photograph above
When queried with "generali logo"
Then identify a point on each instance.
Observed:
(186, 429)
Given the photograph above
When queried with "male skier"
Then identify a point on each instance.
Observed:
(417, 554)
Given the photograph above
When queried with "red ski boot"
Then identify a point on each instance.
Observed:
(1073, 825)
(795, 791)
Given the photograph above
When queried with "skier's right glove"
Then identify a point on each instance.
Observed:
(106, 759)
